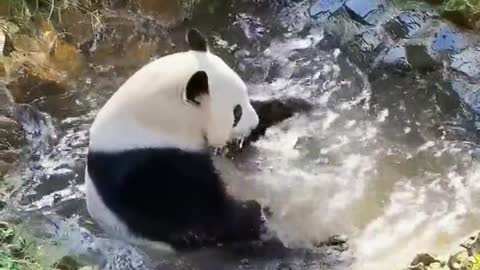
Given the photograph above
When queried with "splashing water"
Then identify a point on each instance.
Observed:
(336, 170)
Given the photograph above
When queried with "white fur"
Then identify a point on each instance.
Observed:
(150, 110)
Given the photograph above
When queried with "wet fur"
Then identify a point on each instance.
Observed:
(172, 196)
(149, 176)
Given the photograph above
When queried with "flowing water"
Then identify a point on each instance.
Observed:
(391, 162)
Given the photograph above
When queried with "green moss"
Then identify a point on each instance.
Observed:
(465, 13)
(476, 264)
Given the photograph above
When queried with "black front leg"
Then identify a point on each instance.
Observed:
(245, 222)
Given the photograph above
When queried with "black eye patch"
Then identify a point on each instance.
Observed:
(237, 114)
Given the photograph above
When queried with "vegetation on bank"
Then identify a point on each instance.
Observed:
(465, 13)
(16, 253)
(37, 37)
(23, 11)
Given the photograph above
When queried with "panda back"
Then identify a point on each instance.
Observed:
(159, 193)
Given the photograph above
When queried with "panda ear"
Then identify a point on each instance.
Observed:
(197, 86)
(196, 41)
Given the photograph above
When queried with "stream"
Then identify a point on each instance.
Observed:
(388, 159)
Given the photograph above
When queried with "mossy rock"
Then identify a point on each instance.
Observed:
(67, 263)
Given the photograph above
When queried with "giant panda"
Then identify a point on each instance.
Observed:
(149, 175)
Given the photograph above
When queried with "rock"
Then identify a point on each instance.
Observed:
(337, 240)
(51, 183)
(89, 45)
(333, 241)
(10, 134)
(472, 245)
(364, 48)
(68, 208)
(4, 168)
(424, 259)
(29, 87)
(11, 137)
(467, 62)
(365, 11)
(468, 92)
(38, 128)
(340, 30)
(462, 260)
(327, 7)
(67, 263)
(394, 59)
(459, 261)
(421, 58)
(171, 10)
(6, 100)
(406, 24)
(6, 44)
(448, 39)
(9, 156)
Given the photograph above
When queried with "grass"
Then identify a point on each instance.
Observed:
(16, 253)
(25, 12)
(19, 253)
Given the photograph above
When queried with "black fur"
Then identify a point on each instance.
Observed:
(197, 86)
(173, 196)
(196, 41)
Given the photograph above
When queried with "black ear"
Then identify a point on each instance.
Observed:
(197, 86)
(196, 41)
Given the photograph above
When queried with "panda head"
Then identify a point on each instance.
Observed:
(219, 94)
(185, 100)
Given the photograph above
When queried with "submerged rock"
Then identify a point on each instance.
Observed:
(29, 87)
(423, 259)
(448, 39)
(421, 58)
(327, 7)
(472, 245)
(365, 11)
(365, 47)
(406, 24)
(459, 261)
(468, 62)
(394, 59)
(11, 133)
(469, 92)
(10, 140)
(67, 263)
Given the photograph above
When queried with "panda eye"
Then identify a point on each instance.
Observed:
(237, 114)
